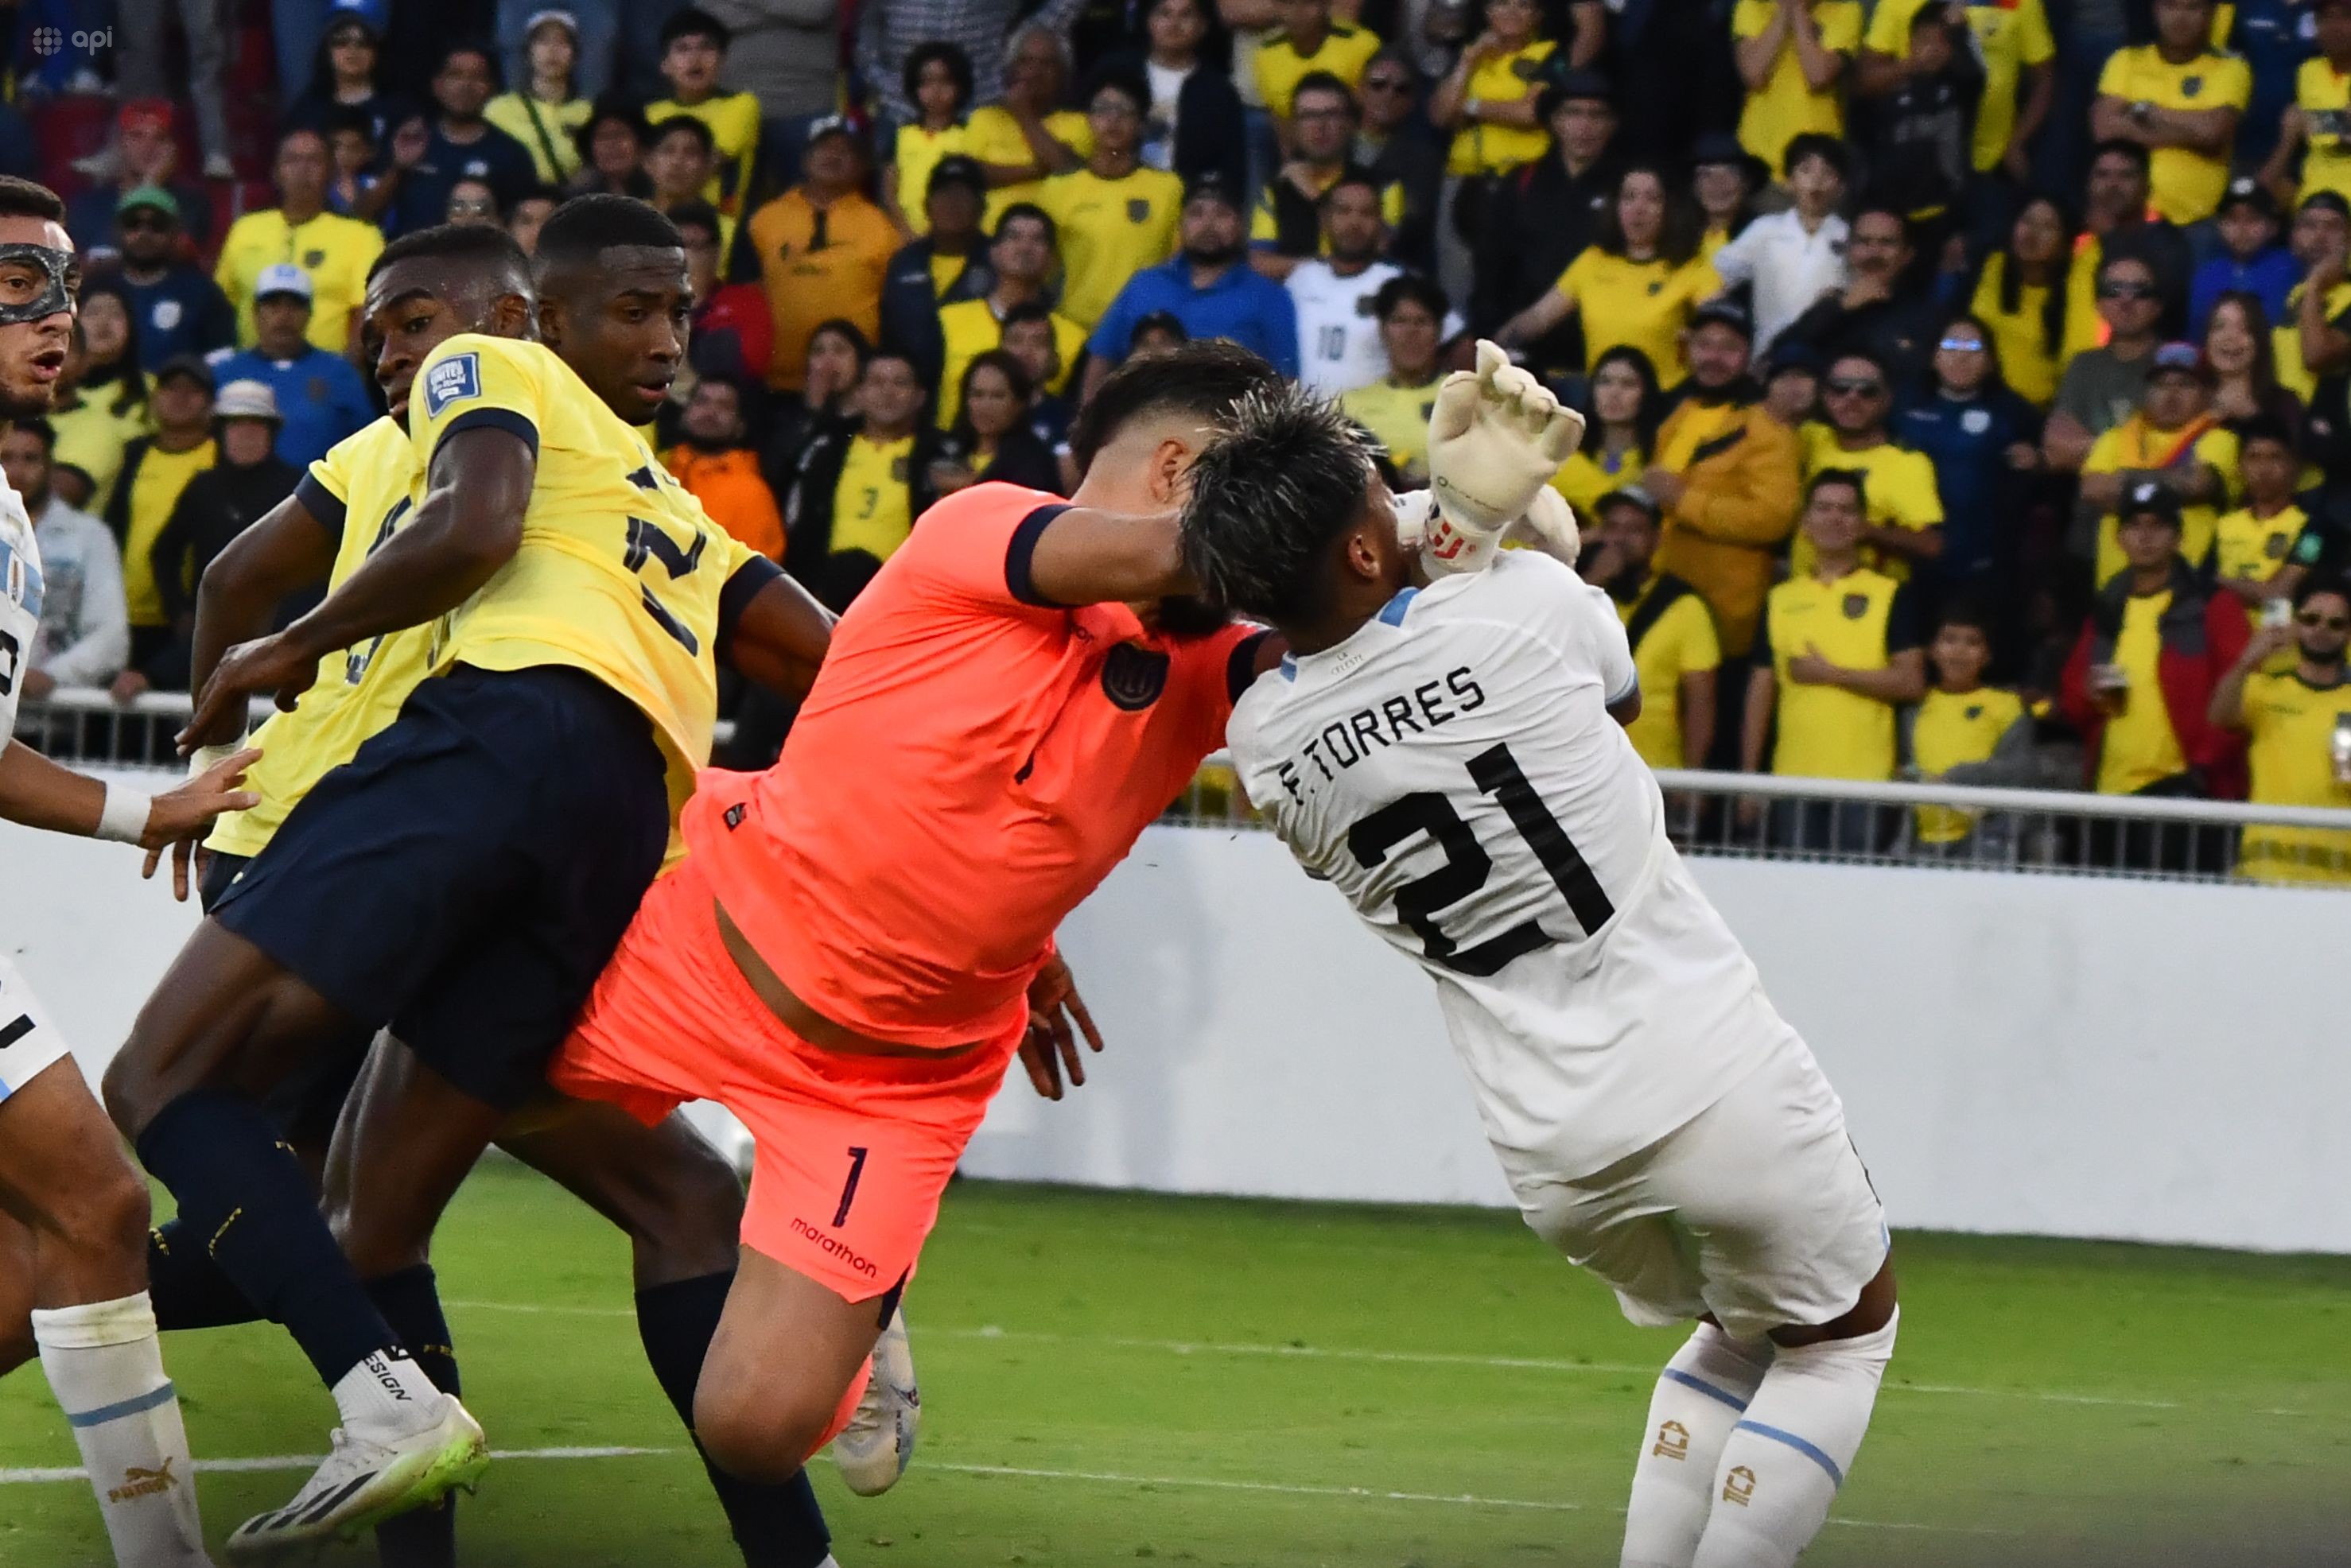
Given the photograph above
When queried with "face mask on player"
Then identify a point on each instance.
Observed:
(59, 267)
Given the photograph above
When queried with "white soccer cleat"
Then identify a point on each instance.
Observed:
(874, 1449)
(364, 1482)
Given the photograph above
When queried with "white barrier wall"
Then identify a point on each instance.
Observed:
(2060, 1055)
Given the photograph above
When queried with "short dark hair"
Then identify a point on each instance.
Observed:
(26, 199)
(1124, 79)
(37, 426)
(1829, 150)
(1325, 81)
(1869, 357)
(1413, 289)
(1029, 210)
(694, 215)
(460, 242)
(584, 227)
(2130, 150)
(1205, 379)
(952, 56)
(2266, 427)
(2330, 582)
(694, 22)
(689, 123)
(1286, 474)
(1020, 314)
(466, 47)
(1362, 178)
(350, 117)
(1852, 479)
(539, 193)
(842, 327)
(1965, 609)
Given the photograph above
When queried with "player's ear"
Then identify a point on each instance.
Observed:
(510, 316)
(1170, 460)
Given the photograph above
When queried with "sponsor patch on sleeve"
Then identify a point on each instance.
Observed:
(453, 380)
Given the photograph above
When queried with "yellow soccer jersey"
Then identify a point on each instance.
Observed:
(2323, 95)
(1108, 230)
(995, 138)
(2292, 725)
(1676, 640)
(1345, 52)
(1951, 728)
(1646, 304)
(2132, 445)
(2186, 184)
(1860, 621)
(1398, 417)
(2029, 361)
(336, 252)
(2138, 746)
(1481, 149)
(1897, 485)
(1786, 107)
(873, 501)
(2247, 549)
(2285, 337)
(919, 151)
(734, 121)
(1586, 476)
(619, 572)
(969, 329)
(367, 487)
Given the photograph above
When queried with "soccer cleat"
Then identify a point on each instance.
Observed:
(364, 1482)
(874, 1449)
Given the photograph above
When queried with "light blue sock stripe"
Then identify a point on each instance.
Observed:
(1796, 1443)
(1676, 1374)
(105, 1413)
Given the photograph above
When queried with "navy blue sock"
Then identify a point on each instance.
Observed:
(189, 1289)
(426, 1538)
(245, 1195)
(775, 1525)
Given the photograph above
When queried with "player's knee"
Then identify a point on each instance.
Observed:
(760, 1433)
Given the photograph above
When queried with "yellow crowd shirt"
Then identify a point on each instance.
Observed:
(969, 329)
(1858, 623)
(1110, 230)
(2010, 36)
(816, 264)
(734, 121)
(2134, 443)
(1346, 50)
(2028, 363)
(366, 488)
(995, 138)
(1646, 304)
(919, 150)
(1397, 417)
(1897, 487)
(1678, 641)
(1786, 107)
(1482, 149)
(336, 252)
(873, 502)
(1586, 476)
(620, 570)
(93, 436)
(2248, 548)
(2292, 725)
(2187, 185)
(1950, 729)
(2139, 747)
(2285, 337)
(549, 130)
(1265, 218)
(155, 491)
(2323, 95)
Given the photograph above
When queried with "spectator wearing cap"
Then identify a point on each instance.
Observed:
(1538, 218)
(145, 68)
(2179, 98)
(938, 79)
(1032, 135)
(1902, 507)
(732, 335)
(1790, 260)
(889, 30)
(2102, 386)
(2312, 338)
(2292, 718)
(2252, 261)
(155, 470)
(946, 266)
(547, 112)
(1726, 475)
(1395, 143)
(316, 398)
(2015, 47)
(678, 160)
(1792, 55)
(216, 505)
(1396, 408)
(85, 637)
(429, 156)
(693, 56)
(1195, 123)
(712, 461)
(1288, 226)
(1675, 650)
(2317, 125)
(175, 307)
(147, 156)
(2141, 677)
(336, 251)
(2175, 442)
(1884, 309)
(1491, 101)
(348, 74)
(1114, 216)
(1208, 289)
(823, 249)
(1020, 264)
(1638, 283)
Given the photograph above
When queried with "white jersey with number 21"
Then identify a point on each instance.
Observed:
(1452, 770)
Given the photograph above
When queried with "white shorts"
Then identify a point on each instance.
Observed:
(1758, 1210)
(29, 1040)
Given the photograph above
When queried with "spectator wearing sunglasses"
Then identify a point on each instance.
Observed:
(2118, 217)
(1397, 145)
(1902, 506)
(2100, 387)
(177, 308)
(1983, 441)
(2298, 722)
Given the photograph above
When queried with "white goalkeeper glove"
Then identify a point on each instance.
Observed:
(1547, 525)
(1495, 438)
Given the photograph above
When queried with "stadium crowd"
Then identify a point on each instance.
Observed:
(1965, 383)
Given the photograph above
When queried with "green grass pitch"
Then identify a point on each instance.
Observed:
(1113, 1379)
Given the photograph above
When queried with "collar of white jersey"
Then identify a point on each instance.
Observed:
(1391, 615)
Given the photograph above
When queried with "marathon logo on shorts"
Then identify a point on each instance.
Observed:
(832, 1247)
(453, 380)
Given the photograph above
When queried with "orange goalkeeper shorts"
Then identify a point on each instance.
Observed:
(855, 1149)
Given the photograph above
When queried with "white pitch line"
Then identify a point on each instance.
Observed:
(275, 1462)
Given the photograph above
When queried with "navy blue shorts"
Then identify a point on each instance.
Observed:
(465, 878)
(308, 1102)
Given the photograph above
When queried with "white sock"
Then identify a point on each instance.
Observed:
(1700, 1396)
(106, 1367)
(1788, 1453)
(387, 1397)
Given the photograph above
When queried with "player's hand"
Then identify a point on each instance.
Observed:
(1050, 1048)
(1495, 437)
(1548, 526)
(180, 817)
(275, 664)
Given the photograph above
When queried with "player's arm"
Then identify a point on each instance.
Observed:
(39, 793)
(469, 526)
(770, 629)
(1083, 554)
(291, 547)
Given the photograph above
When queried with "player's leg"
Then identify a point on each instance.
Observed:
(785, 1371)
(65, 1186)
(17, 1347)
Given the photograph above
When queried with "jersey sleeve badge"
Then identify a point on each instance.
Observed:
(452, 380)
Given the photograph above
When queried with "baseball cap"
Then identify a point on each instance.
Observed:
(2247, 192)
(2185, 358)
(193, 366)
(282, 277)
(2148, 499)
(146, 114)
(246, 400)
(368, 13)
(828, 125)
(1729, 313)
(2333, 201)
(1575, 86)
(957, 169)
(1791, 359)
(562, 19)
(1210, 184)
(154, 196)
